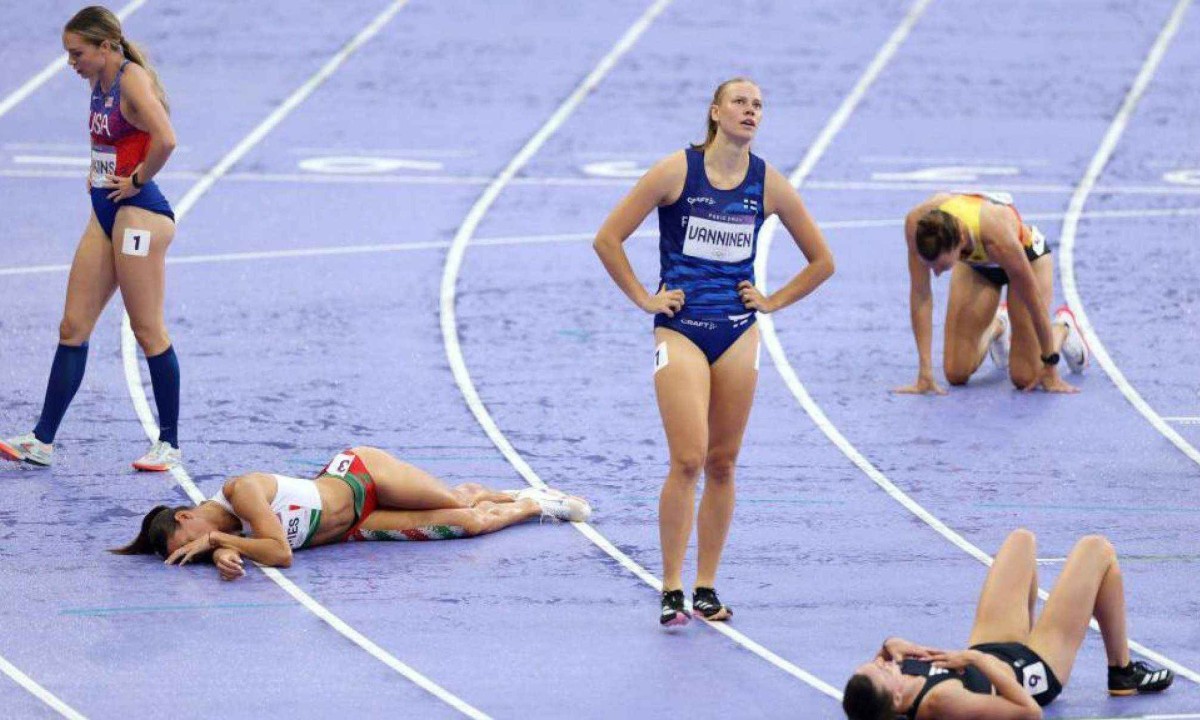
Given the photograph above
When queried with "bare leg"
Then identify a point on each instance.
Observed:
(970, 322)
(143, 277)
(486, 517)
(1025, 358)
(472, 494)
(1005, 609)
(733, 380)
(403, 486)
(91, 285)
(682, 387)
(1090, 583)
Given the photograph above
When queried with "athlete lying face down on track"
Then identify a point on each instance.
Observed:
(982, 240)
(362, 494)
(1015, 665)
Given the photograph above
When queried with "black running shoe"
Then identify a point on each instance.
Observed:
(706, 602)
(673, 612)
(1138, 677)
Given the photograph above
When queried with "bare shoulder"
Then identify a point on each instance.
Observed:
(671, 167)
(998, 221)
(251, 480)
(665, 179)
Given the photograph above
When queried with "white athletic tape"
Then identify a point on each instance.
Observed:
(660, 357)
(136, 242)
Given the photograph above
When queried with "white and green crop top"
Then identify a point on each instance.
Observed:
(297, 505)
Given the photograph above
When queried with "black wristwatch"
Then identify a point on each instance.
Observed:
(1050, 360)
(134, 179)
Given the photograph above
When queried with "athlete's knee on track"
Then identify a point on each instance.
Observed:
(956, 375)
(1022, 377)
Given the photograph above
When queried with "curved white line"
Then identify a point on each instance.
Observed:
(1071, 227)
(458, 365)
(771, 339)
(137, 393)
(16, 96)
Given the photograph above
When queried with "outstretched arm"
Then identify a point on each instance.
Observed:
(920, 304)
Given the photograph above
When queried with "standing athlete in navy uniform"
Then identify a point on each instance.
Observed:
(712, 199)
(125, 243)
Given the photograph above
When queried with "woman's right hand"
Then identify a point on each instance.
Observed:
(925, 385)
(229, 563)
(667, 302)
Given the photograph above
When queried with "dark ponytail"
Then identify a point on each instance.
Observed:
(158, 525)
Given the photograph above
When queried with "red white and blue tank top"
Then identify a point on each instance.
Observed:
(117, 146)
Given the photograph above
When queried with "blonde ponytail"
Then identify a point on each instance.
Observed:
(99, 25)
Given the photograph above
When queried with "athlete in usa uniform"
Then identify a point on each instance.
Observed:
(362, 494)
(1017, 662)
(712, 200)
(125, 243)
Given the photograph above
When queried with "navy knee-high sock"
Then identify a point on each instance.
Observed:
(66, 374)
(164, 378)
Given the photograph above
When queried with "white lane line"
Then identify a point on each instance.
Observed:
(549, 181)
(8, 103)
(506, 240)
(458, 365)
(38, 691)
(60, 62)
(771, 339)
(137, 392)
(1071, 227)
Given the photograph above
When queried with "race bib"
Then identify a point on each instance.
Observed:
(727, 240)
(296, 522)
(1033, 677)
(1037, 241)
(340, 465)
(104, 162)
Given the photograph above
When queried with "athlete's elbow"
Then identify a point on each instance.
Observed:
(284, 558)
(603, 245)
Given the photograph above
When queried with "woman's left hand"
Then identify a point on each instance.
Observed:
(753, 299)
(187, 552)
(1050, 381)
(952, 659)
(123, 188)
